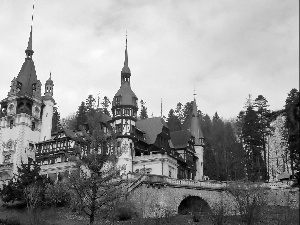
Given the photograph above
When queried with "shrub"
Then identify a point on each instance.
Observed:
(10, 222)
(124, 210)
(249, 200)
(218, 218)
(57, 194)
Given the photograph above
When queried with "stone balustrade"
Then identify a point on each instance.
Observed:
(167, 181)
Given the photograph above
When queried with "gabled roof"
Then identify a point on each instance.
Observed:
(152, 127)
(65, 132)
(105, 118)
(180, 139)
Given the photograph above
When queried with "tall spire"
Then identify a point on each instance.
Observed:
(194, 112)
(126, 68)
(29, 52)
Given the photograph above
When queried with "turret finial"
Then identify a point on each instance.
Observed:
(126, 39)
(29, 52)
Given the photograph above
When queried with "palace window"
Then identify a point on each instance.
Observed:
(118, 128)
(31, 146)
(30, 160)
(127, 112)
(33, 126)
(11, 124)
(118, 111)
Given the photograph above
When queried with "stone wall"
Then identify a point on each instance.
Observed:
(284, 197)
(157, 199)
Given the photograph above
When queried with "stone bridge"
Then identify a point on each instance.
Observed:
(153, 195)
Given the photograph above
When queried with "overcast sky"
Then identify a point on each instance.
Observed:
(226, 49)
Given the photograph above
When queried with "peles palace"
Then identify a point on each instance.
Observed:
(26, 122)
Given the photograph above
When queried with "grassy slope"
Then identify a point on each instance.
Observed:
(270, 215)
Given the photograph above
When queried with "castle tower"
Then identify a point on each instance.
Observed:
(47, 114)
(124, 110)
(20, 117)
(199, 140)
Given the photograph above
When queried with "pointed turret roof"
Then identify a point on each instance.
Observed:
(49, 81)
(27, 75)
(195, 124)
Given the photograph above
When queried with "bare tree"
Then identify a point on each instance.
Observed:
(248, 199)
(96, 180)
(33, 197)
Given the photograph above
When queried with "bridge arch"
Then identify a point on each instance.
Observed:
(175, 199)
(192, 204)
(209, 199)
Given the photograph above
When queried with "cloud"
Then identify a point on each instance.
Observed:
(227, 49)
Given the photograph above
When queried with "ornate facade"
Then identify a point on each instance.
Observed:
(25, 117)
(147, 145)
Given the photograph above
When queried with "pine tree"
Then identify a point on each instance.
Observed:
(187, 110)
(234, 154)
(56, 124)
(218, 145)
(252, 141)
(90, 103)
(209, 159)
(292, 110)
(81, 115)
(261, 106)
(143, 112)
(105, 105)
(179, 112)
(173, 121)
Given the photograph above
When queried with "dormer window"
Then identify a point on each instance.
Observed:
(34, 86)
(19, 86)
(118, 100)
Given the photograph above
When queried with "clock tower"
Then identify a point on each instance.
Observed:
(124, 110)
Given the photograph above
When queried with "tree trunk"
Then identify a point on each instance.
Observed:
(265, 172)
(93, 203)
(92, 218)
